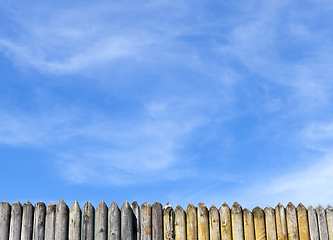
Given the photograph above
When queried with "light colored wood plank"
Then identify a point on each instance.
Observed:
(270, 223)
(168, 224)
(5, 210)
(203, 221)
(75, 222)
(313, 224)
(50, 221)
(88, 221)
(191, 222)
(15, 221)
(62, 221)
(237, 222)
(127, 222)
(114, 222)
(136, 220)
(157, 221)
(180, 223)
(214, 223)
(303, 223)
(101, 221)
(39, 221)
(259, 223)
(281, 222)
(248, 225)
(27, 221)
(146, 221)
(225, 222)
(292, 225)
(322, 223)
(329, 218)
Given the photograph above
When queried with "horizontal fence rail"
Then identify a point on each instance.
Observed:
(155, 222)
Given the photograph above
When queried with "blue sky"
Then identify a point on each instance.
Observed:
(171, 101)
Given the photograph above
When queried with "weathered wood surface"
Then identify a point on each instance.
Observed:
(157, 221)
(146, 221)
(292, 225)
(180, 223)
(101, 221)
(313, 224)
(248, 225)
(214, 223)
(50, 221)
(303, 223)
(39, 221)
(27, 221)
(281, 222)
(322, 223)
(329, 218)
(136, 221)
(15, 221)
(225, 222)
(127, 227)
(203, 221)
(114, 222)
(88, 219)
(168, 227)
(74, 222)
(62, 220)
(5, 210)
(191, 222)
(270, 223)
(237, 222)
(259, 223)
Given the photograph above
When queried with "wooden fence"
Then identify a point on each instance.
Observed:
(147, 222)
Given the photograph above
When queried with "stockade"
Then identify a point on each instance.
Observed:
(131, 222)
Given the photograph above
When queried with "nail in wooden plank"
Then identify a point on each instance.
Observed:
(62, 220)
(15, 221)
(180, 223)
(313, 224)
(101, 221)
(237, 222)
(136, 220)
(214, 223)
(322, 223)
(5, 210)
(303, 223)
(127, 218)
(88, 220)
(292, 225)
(329, 218)
(39, 221)
(259, 223)
(114, 222)
(270, 223)
(203, 221)
(146, 221)
(168, 228)
(75, 222)
(50, 221)
(248, 225)
(281, 222)
(27, 221)
(191, 222)
(157, 221)
(225, 222)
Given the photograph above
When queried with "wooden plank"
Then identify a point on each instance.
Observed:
(157, 221)
(237, 222)
(50, 221)
(303, 223)
(214, 223)
(292, 222)
(259, 223)
(145, 220)
(114, 222)
(329, 218)
(270, 223)
(180, 223)
(88, 220)
(15, 221)
(248, 225)
(281, 222)
(322, 223)
(5, 210)
(191, 222)
(127, 227)
(101, 222)
(136, 221)
(203, 221)
(27, 221)
(62, 220)
(39, 221)
(75, 222)
(225, 222)
(313, 224)
(168, 224)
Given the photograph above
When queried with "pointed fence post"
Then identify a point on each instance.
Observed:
(329, 218)
(203, 221)
(5, 210)
(62, 220)
(101, 221)
(157, 221)
(214, 223)
(322, 223)
(75, 222)
(292, 222)
(259, 223)
(27, 221)
(270, 223)
(127, 218)
(168, 223)
(50, 221)
(248, 225)
(15, 221)
(114, 222)
(237, 222)
(88, 220)
(145, 220)
(191, 222)
(136, 220)
(225, 222)
(281, 222)
(313, 224)
(39, 221)
(303, 223)
(180, 223)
